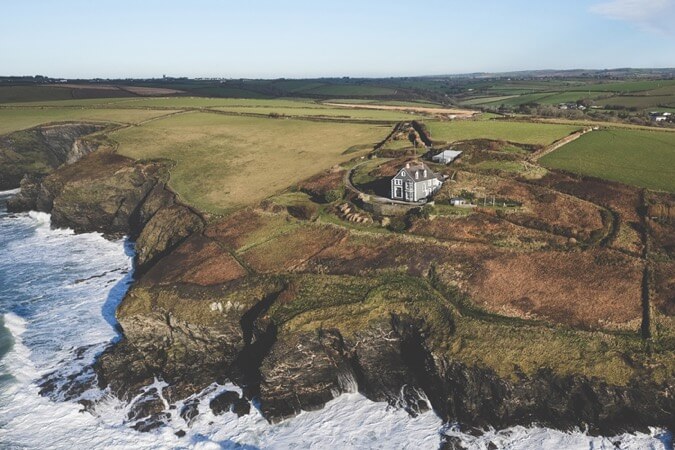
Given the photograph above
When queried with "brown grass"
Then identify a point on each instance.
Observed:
(287, 251)
(198, 260)
(485, 229)
(592, 289)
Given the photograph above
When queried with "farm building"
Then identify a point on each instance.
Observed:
(660, 116)
(457, 201)
(446, 156)
(414, 183)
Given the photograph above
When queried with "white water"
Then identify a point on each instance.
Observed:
(58, 293)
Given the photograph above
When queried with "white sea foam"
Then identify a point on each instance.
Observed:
(63, 289)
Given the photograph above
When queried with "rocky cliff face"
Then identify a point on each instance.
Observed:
(37, 151)
(207, 309)
(114, 195)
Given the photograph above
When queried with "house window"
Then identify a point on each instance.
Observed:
(398, 182)
(398, 192)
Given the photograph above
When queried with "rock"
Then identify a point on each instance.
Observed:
(180, 433)
(148, 405)
(152, 423)
(223, 402)
(241, 407)
(26, 199)
(451, 443)
(190, 411)
(164, 231)
(37, 151)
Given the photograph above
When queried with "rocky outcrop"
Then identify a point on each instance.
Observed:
(37, 151)
(114, 195)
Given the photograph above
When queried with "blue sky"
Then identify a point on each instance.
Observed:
(299, 38)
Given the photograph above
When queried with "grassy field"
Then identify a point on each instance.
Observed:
(645, 101)
(14, 119)
(334, 112)
(224, 162)
(636, 157)
(519, 132)
(180, 102)
(347, 90)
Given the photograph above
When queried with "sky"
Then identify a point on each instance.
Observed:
(302, 38)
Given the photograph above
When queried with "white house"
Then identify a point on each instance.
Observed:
(414, 182)
(446, 156)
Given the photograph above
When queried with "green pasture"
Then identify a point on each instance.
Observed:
(637, 157)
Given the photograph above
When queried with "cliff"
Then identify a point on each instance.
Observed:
(37, 151)
(296, 312)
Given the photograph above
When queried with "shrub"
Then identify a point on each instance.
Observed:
(334, 195)
(397, 224)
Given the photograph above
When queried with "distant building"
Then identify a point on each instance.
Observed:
(660, 116)
(446, 156)
(414, 182)
(457, 201)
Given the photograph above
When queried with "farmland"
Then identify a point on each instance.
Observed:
(636, 157)
(519, 132)
(224, 162)
(14, 119)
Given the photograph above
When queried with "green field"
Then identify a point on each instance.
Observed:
(519, 132)
(180, 102)
(334, 112)
(636, 157)
(224, 162)
(347, 90)
(646, 101)
(14, 119)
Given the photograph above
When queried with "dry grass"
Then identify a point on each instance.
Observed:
(288, 251)
(199, 260)
(224, 162)
(595, 289)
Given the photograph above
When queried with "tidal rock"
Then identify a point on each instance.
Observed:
(223, 402)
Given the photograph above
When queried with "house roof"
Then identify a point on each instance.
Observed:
(420, 169)
(447, 154)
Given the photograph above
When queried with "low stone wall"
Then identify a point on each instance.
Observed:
(389, 209)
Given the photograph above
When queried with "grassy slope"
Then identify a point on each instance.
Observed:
(225, 161)
(520, 132)
(640, 158)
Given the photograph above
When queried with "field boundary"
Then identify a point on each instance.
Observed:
(534, 157)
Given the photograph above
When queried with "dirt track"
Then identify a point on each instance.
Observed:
(422, 109)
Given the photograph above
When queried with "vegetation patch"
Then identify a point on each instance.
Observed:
(636, 157)
(225, 162)
(592, 289)
(519, 132)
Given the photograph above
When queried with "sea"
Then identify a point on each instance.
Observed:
(58, 294)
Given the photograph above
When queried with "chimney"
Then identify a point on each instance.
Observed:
(407, 165)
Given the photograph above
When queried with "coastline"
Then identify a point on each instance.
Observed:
(165, 230)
